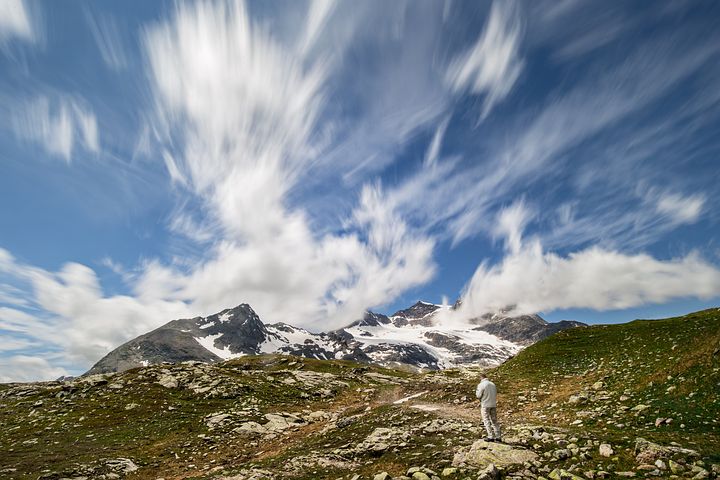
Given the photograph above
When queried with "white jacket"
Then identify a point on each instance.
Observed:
(487, 393)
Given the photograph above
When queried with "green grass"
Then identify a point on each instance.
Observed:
(165, 433)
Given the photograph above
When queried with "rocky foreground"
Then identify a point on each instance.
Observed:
(631, 401)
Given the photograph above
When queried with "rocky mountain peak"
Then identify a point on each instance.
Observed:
(418, 310)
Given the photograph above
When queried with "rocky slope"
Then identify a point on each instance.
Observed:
(639, 400)
(413, 336)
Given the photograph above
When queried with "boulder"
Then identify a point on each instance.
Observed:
(648, 452)
(560, 474)
(489, 473)
(606, 450)
(382, 439)
(168, 381)
(482, 454)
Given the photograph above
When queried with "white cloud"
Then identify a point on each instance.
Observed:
(58, 126)
(318, 15)
(681, 209)
(433, 151)
(26, 368)
(247, 105)
(533, 280)
(14, 21)
(109, 40)
(493, 65)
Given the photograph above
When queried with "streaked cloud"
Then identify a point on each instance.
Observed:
(491, 66)
(58, 125)
(530, 279)
(15, 21)
(681, 209)
(109, 40)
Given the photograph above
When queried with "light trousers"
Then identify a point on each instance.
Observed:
(489, 416)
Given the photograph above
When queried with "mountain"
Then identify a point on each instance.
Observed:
(635, 400)
(413, 336)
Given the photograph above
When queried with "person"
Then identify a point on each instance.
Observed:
(486, 392)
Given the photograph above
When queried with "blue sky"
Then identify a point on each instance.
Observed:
(316, 159)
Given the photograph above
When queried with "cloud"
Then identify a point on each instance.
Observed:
(536, 152)
(317, 17)
(491, 66)
(15, 21)
(26, 368)
(70, 314)
(531, 280)
(58, 126)
(681, 209)
(108, 39)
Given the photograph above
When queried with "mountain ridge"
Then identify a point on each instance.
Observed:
(411, 336)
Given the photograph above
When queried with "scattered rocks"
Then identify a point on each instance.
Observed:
(381, 439)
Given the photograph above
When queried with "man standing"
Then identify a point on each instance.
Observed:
(486, 392)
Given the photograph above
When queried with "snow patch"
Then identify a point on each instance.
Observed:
(208, 342)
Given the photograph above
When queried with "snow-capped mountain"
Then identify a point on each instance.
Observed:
(414, 336)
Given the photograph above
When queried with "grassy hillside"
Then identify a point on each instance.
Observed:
(620, 379)
(286, 417)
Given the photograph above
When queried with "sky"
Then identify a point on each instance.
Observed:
(163, 160)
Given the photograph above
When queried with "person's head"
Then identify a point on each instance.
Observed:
(483, 377)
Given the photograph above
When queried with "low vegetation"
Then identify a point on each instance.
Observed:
(634, 400)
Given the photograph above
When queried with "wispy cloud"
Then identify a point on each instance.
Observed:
(246, 145)
(531, 280)
(681, 209)
(491, 66)
(15, 21)
(58, 126)
(109, 40)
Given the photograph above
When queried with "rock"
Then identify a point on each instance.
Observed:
(168, 381)
(606, 450)
(560, 474)
(382, 476)
(489, 473)
(675, 467)
(598, 385)
(122, 465)
(702, 474)
(648, 452)
(250, 427)
(482, 453)
(216, 420)
(449, 471)
(639, 408)
(382, 439)
(561, 454)
(419, 476)
(660, 464)
(660, 421)
(283, 421)
(344, 422)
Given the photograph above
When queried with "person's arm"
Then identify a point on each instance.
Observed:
(479, 391)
